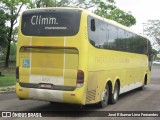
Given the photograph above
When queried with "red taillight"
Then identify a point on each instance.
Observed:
(80, 78)
(17, 72)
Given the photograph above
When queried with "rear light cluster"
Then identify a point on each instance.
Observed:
(17, 74)
(80, 78)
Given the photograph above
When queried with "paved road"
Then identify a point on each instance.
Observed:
(136, 100)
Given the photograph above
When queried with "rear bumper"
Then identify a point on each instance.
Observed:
(55, 87)
(74, 97)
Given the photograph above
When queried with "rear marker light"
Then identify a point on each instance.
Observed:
(72, 94)
(80, 78)
(20, 90)
(17, 74)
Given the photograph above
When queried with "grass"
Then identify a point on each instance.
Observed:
(7, 80)
(8, 77)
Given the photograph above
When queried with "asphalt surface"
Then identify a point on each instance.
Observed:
(136, 100)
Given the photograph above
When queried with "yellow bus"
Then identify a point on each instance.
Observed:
(70, 55)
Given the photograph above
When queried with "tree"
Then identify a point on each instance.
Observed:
(63, 3)
(110, 11)
(3, 30)
(152, 29)
(102, 8)
(41, 3)
(12, 9)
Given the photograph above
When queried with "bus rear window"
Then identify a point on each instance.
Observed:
(51, 22)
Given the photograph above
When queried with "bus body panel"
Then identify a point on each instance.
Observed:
(74, 97)
(111, 65)
(55, 61)
(57, 70)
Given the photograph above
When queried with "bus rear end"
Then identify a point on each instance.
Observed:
(49, 56)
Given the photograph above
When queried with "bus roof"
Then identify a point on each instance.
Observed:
(115, 24)
(99, 17)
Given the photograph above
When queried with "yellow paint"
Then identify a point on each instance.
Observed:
(21, 92)
(99, 66)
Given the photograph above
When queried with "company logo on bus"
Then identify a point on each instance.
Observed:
(39, 20)
(50, 22)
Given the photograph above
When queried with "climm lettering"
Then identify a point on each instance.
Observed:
(38, 20)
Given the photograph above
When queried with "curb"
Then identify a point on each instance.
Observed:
(7, 89)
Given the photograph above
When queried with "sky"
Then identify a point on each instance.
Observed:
(142, 10)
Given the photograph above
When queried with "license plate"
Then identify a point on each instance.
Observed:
(46, 86)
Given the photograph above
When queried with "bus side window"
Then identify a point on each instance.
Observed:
(93, 27)
(112, 37)
(93, 33)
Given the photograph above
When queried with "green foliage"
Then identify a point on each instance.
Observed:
(122, 17)
(48, 3)
(104, 8)
(152, 29)
(11, 10)
(13, 51)
(7, 80)
(62, 3)
(3, 34)
(40, 3)
(110, 11)
(8, 77)
(3, 30)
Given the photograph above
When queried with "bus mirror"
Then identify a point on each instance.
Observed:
(93, 28)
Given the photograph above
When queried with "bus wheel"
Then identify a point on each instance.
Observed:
(54, 103)
(143, 84)
(105, 97)
(114, 96)
(142, 87)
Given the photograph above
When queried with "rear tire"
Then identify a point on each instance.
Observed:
(114, 96)
(142, 87)
(105, 97)
(144, 83)
(54, 103)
